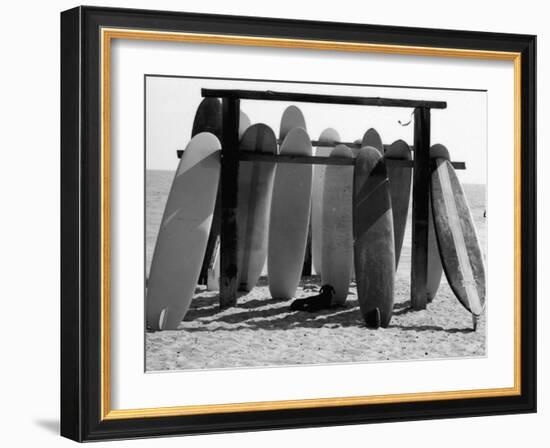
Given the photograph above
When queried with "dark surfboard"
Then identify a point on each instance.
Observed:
(374, 248)
(208, 118)
(457, 238)
(372, 138)
(400, 191)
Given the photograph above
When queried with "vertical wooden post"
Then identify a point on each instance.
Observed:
(420, 208)
(229, 185)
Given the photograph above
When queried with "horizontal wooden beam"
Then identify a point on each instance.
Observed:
(317, 160)
(270, 95)
(322, 144)
(245, 156)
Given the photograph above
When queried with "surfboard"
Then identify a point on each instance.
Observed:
(244, 123)
(255, 183)
(289, 218)
(208, 118)
(457, 238)
(372, 138)
(336, 228)
(435, 269)
(183, 233)
(374, 247)
(400, 191)
(292, 118)
(328, 135)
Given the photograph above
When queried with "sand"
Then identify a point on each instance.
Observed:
(261, 331)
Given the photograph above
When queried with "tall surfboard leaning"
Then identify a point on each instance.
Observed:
(289, 218)
(329, 135)
(374, 248)
(183, 234)
(336, 229)
(400, 191)
(253, 205)
(457, 238)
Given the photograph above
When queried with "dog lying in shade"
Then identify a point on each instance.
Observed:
(321, 301)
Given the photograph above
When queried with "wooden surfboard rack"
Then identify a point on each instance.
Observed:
(231, 157)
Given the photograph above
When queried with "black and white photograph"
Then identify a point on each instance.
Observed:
(275, 223)
(293, 223)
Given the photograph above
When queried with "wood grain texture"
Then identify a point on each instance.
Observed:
(435, 268)
(457, 237)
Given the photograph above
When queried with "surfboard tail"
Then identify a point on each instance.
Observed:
(373, 318)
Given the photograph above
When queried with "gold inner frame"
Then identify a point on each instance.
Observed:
(107, 35)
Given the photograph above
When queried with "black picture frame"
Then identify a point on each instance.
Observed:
(81, 286)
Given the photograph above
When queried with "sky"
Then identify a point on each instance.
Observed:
(171, 103)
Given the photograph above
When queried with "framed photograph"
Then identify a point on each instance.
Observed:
(277, 224)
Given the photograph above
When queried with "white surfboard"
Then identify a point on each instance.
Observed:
(337, 226)
(255, 186)
(244, 123)
(183, 233)
(289, 218)
(328, 135)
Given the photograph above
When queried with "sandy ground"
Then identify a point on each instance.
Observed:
(261, 331)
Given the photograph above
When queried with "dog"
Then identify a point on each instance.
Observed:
(321, 301)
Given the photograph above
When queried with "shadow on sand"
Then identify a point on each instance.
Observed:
(274, 314)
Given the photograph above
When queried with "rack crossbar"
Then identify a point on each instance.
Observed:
(245, 156)
(270, 95)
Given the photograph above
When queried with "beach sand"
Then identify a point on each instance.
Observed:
(261, 331)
